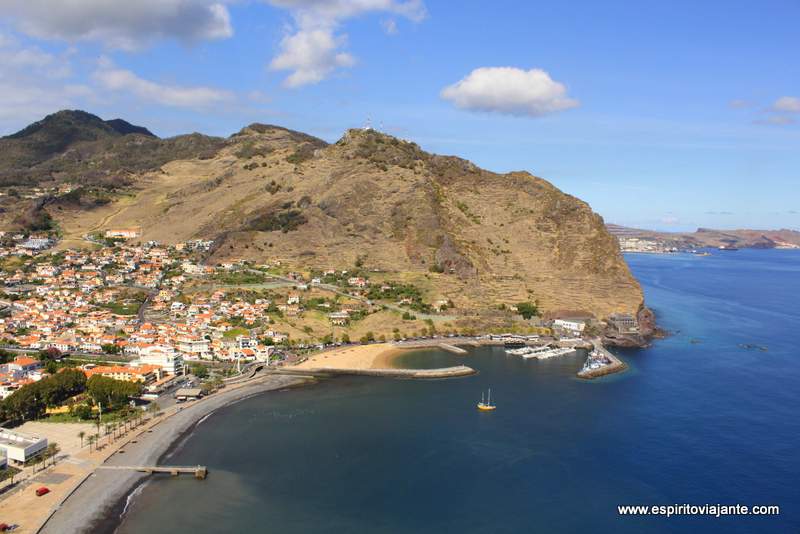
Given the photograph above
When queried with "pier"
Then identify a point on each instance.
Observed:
(452, 348)
(200, 472)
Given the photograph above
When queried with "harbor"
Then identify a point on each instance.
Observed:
(600, 362)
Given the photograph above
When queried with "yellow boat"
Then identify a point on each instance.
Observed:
(486, 406)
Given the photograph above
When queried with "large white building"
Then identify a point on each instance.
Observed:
(194, 347)
(163, 356)
(20, 448)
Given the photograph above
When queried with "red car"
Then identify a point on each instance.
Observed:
(42, 491)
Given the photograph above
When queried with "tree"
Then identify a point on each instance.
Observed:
(51, 353)
(110, 348)
(153, 409)
(82, 412)
(6, 356)
(368, 337)
(527, 309)
(81, 435)
(198, 369)
(112, 393)
(52, 450)
(90, 440)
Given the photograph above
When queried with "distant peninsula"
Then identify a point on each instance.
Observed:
(639, 240)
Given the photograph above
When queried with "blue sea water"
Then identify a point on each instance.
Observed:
(708, 415)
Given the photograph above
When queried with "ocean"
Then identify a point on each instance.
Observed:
(708, 415)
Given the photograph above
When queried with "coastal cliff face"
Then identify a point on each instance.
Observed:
(478, 238)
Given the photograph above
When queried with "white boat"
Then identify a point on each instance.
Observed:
(518, 352)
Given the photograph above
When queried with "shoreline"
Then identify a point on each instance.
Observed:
(372, 356)
(114, 514)
(94, 504)
(97, 504)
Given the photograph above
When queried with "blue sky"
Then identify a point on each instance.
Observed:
(668, 115)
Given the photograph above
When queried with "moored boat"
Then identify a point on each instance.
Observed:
(486, 406)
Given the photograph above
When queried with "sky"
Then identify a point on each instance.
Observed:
(663, 115)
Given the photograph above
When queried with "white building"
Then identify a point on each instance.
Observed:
(163, 356)
(573, 325)
(123, 233)
(20, 448)
(194, 347)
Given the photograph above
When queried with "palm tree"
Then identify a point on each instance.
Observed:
(154, 409)
(52, 450)
(81, 435)
(90, 439)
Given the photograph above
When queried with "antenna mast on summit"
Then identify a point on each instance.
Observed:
(369, 124)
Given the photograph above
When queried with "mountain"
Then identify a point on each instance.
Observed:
(81, 148)
(709, 238)
(457, 231)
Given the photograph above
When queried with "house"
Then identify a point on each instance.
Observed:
(625, 323)
(37, 243)
(194, 347)
(357, 281)
(340, 318)
(146, 374)
(24, 364)
(571, 325)
(123, 233)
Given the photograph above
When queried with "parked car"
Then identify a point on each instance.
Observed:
(42, 491)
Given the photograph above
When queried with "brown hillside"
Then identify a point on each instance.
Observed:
(476, 237)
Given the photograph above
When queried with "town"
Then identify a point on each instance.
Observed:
(94, 338)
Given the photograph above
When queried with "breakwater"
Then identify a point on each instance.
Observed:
(615, 366)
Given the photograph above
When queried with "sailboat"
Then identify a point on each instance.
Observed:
(486, 406)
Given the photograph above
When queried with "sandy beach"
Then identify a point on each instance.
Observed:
(374, 356)
(83, 497)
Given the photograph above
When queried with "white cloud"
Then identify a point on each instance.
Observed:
(788, 104)
(127, 25)
(113, 78)
(511, 91)
(34, 83)
(312, 50)
(310, 13)
(311, 55)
